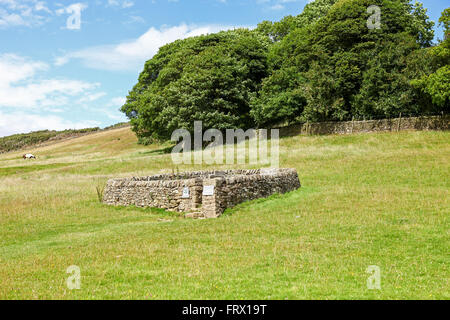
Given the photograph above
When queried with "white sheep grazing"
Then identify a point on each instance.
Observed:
(29, 156)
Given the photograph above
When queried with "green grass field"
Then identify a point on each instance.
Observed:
(367, 199)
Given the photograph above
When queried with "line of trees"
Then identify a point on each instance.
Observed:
(324, 64)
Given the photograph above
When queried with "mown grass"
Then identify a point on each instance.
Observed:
(367, 199)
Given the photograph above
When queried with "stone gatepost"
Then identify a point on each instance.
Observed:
(212, 206)
(191, 194)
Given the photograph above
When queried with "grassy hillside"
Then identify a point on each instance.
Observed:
(367, 199)
(22, 140)
(26, 140)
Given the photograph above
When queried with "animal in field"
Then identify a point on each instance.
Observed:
(29, 156)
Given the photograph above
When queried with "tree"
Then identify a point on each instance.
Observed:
(325, 64)
(339, 68)
(312, 12)
(208, 78)
(282, 97)
(436, 85)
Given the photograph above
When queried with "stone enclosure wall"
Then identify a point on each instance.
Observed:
(204, 194)
(383, 125)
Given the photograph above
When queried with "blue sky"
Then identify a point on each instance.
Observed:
(70, 64)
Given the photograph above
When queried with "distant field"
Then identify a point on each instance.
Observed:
(28, 140)
(367, 199)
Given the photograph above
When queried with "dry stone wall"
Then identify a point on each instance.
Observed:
(384, 125)
(204, 194)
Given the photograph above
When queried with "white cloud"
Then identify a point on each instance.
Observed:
(20, 122)
(111, 109)
(123, 4)
(29, 101)
(22, 13)
(20, 87)
(41, 6)
(118, 101)
(92, 97)
(131, 55)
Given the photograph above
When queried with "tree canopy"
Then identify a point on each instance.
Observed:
(207, 78)
(335, 68)
(324, 64)
(436, 85)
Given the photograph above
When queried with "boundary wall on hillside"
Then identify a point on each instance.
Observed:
(383, 125)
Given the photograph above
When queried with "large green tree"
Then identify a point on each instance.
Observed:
(207, 78)
(331, 62)
(436, 85)
(337, 67)
(282, 96)
(312, 12)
